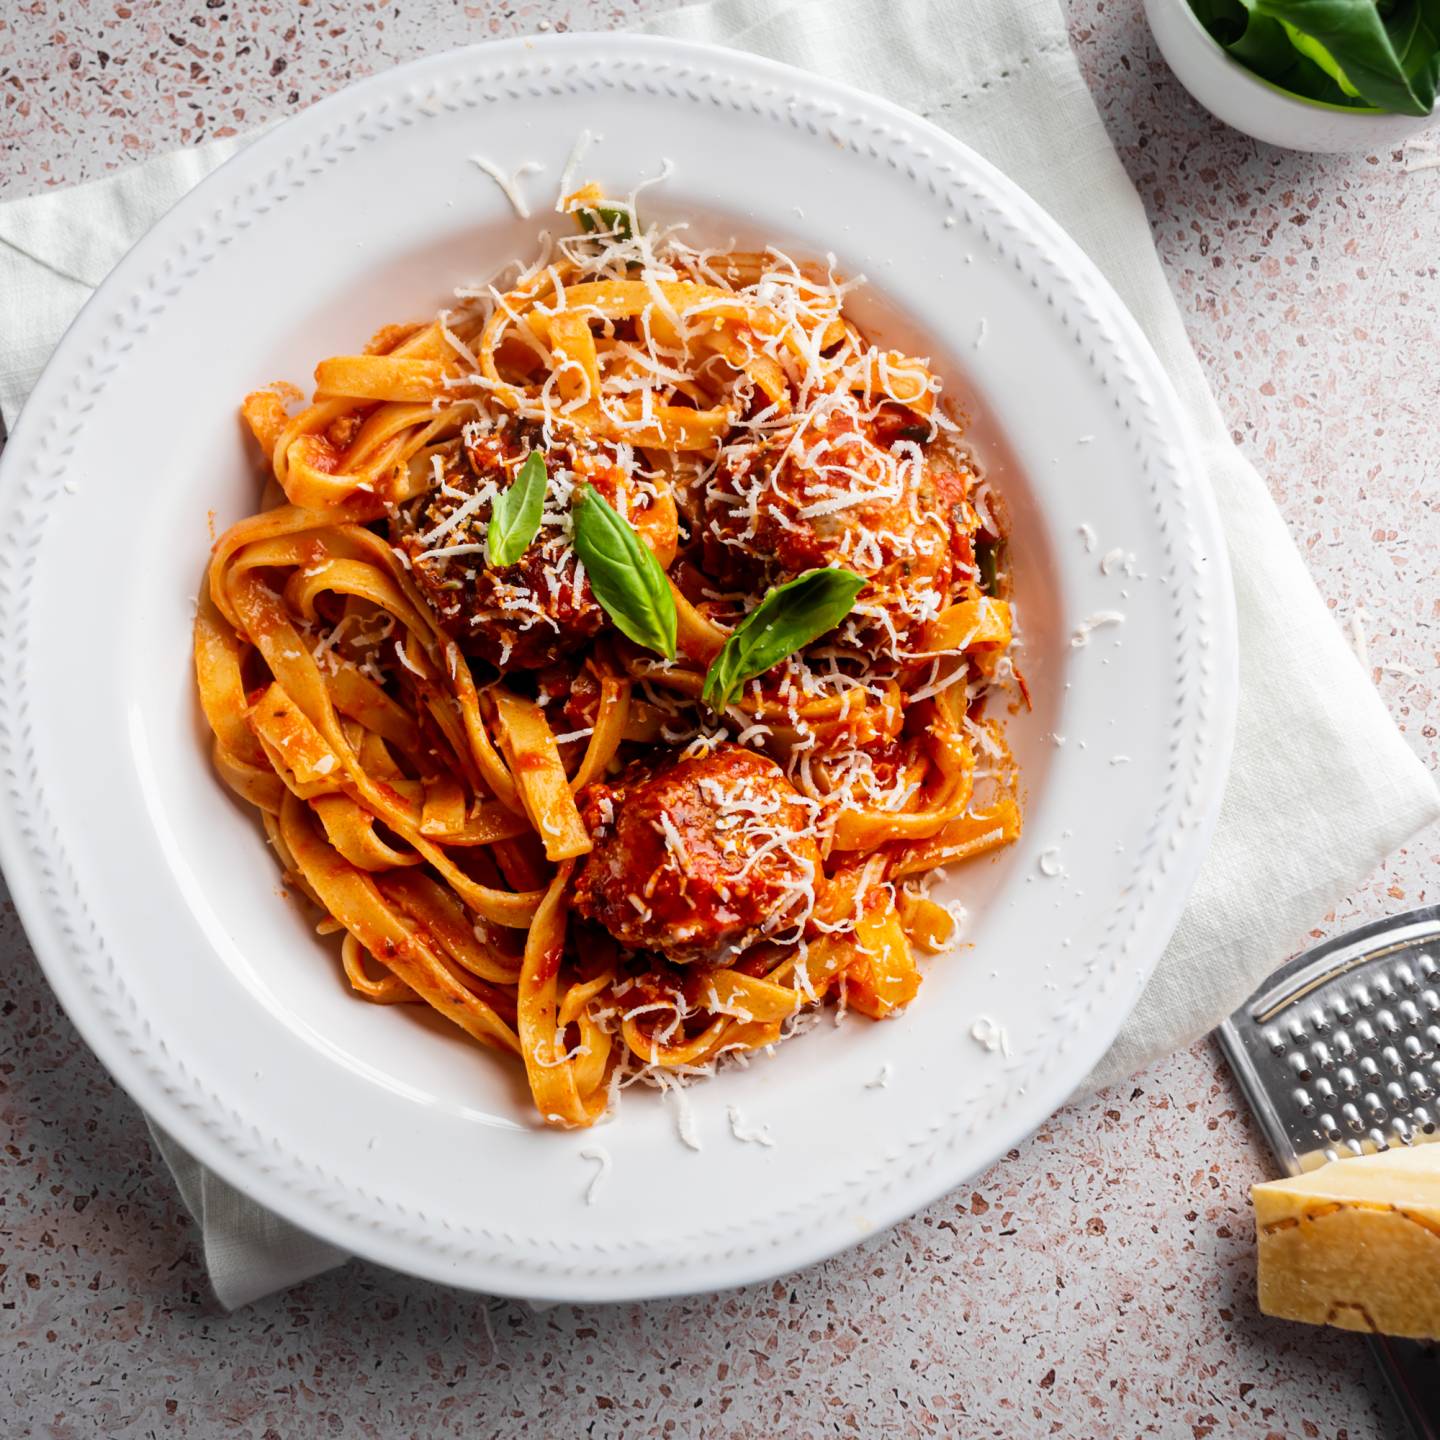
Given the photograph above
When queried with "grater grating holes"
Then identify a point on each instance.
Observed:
(1361, 1051)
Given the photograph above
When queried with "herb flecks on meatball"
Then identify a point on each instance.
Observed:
(700, 857)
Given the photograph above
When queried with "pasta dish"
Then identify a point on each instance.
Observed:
(614, 661)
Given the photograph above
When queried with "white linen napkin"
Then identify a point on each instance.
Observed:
(1322, 784)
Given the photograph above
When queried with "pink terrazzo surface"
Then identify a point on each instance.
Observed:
(1099, 1281)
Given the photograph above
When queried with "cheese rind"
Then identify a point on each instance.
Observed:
(1355, 1243)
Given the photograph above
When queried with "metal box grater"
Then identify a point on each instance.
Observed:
(1339, 1054)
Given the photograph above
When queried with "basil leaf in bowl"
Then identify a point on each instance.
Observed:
(1359, 54)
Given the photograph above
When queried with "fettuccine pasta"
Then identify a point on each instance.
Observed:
(504, 717)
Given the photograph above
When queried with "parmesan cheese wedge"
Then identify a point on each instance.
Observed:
(1355, 1243)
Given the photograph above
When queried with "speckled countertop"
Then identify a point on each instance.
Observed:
(1100, 1279)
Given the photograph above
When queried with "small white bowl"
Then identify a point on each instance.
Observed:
(1241, 98)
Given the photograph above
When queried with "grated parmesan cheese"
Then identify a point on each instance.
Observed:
(601, 1156)
(509, 184)
(990, 1036)
(760, 1135)
(685, 1126)
(1081, 635)
(572, 165)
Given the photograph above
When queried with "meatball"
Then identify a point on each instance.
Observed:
(531, 613)
(699, 858)
(848, 490)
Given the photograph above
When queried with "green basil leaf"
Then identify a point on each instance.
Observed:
(1224, 19)
(606, 217)
(1393, 63)
(515, 516)
(1312, 49)
(1414, 32)
(787, 619)
(1351, 53)
(987, 561)
(626, 578)
(1264, 47)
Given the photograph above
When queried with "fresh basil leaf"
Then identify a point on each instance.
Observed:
(1224, 19)
(1392, 63)
(1312, 49)
(987, 561)
(626, 578)
(787, 619)
(1414, 32)
(1264, 47)
(515, 516)
(613, 218)
(1351, 53)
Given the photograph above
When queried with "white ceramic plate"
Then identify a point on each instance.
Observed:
(154, 903)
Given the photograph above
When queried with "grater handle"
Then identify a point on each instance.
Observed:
(1413, 1369)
